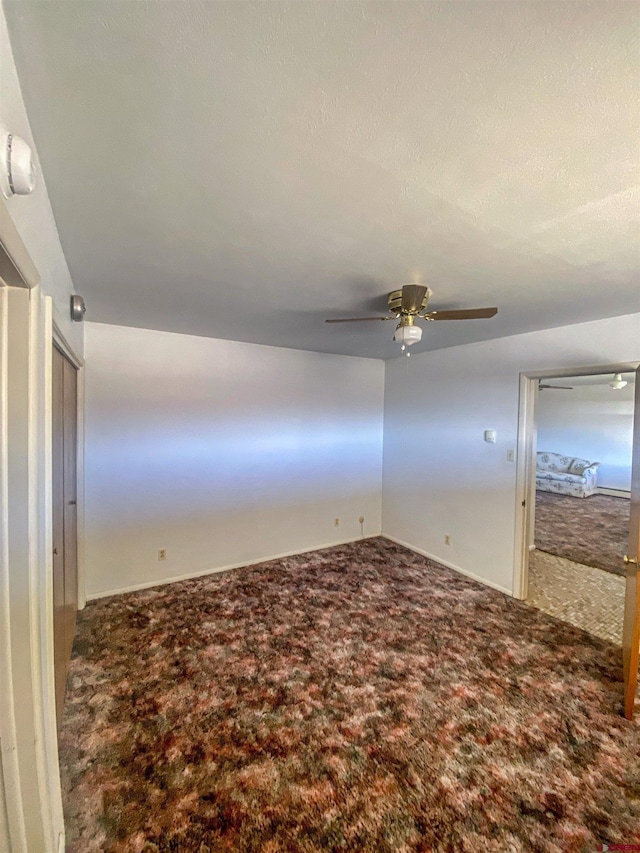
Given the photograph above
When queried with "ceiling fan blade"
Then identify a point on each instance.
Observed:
(358, 319)
(412, 296)
(463, 314)
(556, 387)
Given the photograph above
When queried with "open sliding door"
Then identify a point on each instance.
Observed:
(631, 630)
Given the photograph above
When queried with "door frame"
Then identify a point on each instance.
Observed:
(31, 804)
(525, 467)
(29, 743)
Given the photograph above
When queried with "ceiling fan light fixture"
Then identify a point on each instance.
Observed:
(407, 335)
(618, 382)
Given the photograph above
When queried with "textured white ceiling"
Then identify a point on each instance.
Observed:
(244, 170)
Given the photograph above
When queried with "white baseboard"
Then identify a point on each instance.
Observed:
(616, 493)
(136, 587)
(449, 565)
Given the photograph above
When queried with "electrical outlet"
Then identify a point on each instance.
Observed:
(361, 519)
(447, 539)
(511, 455)
(336, 522)
(162, 553)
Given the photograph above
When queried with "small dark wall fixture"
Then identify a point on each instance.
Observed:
(78, 308)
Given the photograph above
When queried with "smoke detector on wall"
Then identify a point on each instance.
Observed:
(17, 167)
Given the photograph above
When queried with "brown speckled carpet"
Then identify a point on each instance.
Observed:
(360, 698)
(592, 531)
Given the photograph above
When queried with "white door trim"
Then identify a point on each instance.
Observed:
(525, 477)
(40, 560)
(15, 817)
(65, 347)
(43, 659)
(16, 267)
(32, 803)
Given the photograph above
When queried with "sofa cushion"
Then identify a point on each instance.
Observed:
(559, 487)
(578, 466)
(561, 476)
(546, 461)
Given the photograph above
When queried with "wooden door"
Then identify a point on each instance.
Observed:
(70, 504)
(57, 498)
(64, 506)
(631, 630)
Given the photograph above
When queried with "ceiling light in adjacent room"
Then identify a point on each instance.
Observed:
(618, 382)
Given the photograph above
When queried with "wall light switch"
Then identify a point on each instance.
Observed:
(490, 436)
(511, 455)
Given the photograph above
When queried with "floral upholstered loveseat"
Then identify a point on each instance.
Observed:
(566, 475)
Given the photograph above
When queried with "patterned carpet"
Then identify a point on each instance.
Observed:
(360, 698)
(592, 531)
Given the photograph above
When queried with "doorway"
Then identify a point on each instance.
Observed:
(64, 494)
(584, 571)
(580, 521)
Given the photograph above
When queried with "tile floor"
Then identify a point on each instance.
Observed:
(586, 597)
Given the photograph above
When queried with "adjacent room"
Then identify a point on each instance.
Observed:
(584, 430)
(285, 292)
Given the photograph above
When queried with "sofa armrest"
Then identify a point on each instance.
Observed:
(591, 473)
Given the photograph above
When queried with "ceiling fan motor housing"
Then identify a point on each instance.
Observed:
(395, 301)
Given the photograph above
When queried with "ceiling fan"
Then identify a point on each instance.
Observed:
(410, 304)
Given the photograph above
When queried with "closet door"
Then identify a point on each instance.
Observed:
(70, 504)
(60, 661)
(64, 496)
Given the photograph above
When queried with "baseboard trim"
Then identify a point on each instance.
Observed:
(94, 596)
(616, 493)
(449, 565)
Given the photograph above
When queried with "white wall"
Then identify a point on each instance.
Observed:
(224, 453)
(32, 214)
(439, 475)
(592, 422)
